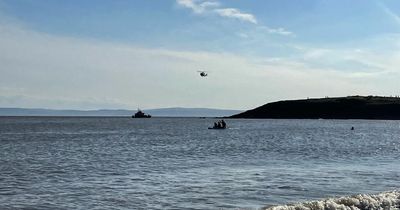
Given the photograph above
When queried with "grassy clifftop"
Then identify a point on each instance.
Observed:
(351, 107)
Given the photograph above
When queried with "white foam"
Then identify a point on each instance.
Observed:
(381, 201)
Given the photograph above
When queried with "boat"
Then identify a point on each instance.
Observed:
(140, 114)
(218, 128)
(219, 125)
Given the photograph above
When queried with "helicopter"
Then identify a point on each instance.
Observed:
(203, 73)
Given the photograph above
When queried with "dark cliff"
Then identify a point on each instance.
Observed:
(351, 107)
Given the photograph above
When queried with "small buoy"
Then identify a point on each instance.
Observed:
(352, 128)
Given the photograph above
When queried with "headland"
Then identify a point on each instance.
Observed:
(350, 107)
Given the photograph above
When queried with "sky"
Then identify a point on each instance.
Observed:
(128, 54)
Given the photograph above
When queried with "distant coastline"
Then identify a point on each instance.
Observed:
(350, 107)
(162, 112)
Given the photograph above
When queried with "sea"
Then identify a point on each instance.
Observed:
(178, 163)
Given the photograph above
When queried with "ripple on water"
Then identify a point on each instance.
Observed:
(120, 163)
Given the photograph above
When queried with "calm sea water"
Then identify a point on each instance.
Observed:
(177, 163)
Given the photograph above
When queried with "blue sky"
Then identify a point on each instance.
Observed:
(168, 23)
(262, 50)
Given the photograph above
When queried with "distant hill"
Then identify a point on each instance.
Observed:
(165, 112)
(351, 107)
(191, 112)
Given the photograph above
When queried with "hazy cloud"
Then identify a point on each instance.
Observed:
(42, 70)
(280, 31)
(200, 7)
(390, 13)
(237, 14)
(356, 61)
(214, 7)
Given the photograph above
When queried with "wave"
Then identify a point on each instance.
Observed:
(381, 201)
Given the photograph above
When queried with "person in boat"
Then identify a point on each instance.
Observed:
(223, 124)
(220, 125)
(217, 125)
